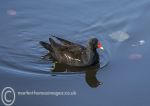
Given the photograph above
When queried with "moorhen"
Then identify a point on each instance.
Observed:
(73, 54)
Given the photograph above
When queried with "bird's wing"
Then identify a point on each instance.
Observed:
(55, 45)
(66, 48)
(68, 54)
(65, 42)
(73, 54)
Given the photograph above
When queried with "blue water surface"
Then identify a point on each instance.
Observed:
(124, 81)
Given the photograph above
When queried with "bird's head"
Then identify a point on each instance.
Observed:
(94, 44)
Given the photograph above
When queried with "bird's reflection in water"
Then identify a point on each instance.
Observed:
(90, 72)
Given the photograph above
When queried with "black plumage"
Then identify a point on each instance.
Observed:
(73, 54)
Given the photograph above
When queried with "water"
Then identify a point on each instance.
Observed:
(122, 82)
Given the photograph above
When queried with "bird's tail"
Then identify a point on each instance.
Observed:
(46, 45)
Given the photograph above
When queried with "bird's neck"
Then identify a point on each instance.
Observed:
(91, 48)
